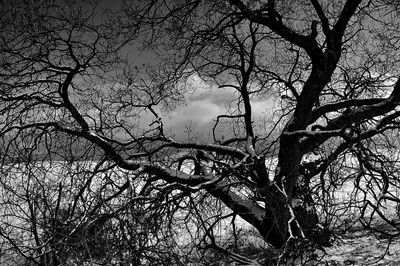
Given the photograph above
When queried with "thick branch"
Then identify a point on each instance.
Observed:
(72, 109)
(332, 107)
(381, 107)
(322, 17)
(347, 12)
(271, 21)
(246, 208)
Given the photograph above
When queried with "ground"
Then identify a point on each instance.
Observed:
(361, 247)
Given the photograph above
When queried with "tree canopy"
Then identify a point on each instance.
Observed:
(90, 171)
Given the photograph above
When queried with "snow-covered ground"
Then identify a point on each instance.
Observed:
(361, 247)
(356, 248)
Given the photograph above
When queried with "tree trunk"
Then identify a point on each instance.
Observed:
(274, 227)
(279, 197)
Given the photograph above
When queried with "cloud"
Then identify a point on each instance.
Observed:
(196, 117)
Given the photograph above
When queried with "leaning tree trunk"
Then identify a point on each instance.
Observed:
(285, 218)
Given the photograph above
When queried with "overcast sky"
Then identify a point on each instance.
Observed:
(200, 109)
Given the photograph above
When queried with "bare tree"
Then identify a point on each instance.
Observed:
(90, 171)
